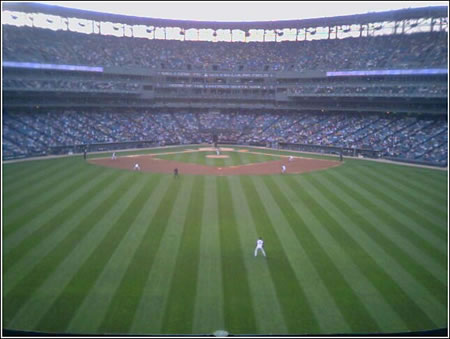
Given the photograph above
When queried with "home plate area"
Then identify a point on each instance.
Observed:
(149, 163)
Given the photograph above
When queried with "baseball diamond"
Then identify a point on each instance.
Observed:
(206, 178)
(151, 163)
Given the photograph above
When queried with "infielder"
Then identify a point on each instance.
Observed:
(259, 246)
(217, 151)
(113, 156)
(283, 169)
(137, 167)
(291, 158)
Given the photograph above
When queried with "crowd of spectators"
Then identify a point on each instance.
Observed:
(320, 89)
(419, 50)
(78, 85)
(414, 138)
(386, 90)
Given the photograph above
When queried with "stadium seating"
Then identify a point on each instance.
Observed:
(412, 138)
(419, 50)
(407, 137)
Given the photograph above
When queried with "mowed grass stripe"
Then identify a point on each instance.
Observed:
(430, 179)
(435, 196)
(238, 310)
(132, 289)
(404, 304)
(61, 234)
(387, 219)
(46, 179)
(428, 242)
(241, 159)
(296, 311)
(231, 161)
(154, 293)
(20, 243)
(49, 203)
(378, 227)
(91, 313)
(411, 204)
(20, 196)
(435, 208)
(181, 157)
(147, 316)
(309, 232)
(26, 289)
(427, 180)
(179, 314)
(76, 290)
(21, 169)
(266, 306)
(265, 158)
(247, 158)
(209, 303)
(18, 176)
(433, 292)
(322, 304)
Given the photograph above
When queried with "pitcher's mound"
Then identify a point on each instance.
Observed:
(217, 156)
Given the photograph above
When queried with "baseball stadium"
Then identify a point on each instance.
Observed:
(144, 159)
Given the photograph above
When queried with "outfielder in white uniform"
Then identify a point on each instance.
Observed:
(114, 156)
(217, 151)
(137, 167)
(259, 246)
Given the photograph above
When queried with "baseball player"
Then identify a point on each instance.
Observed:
(291, 158)
(113, 156)
(259, 246)
(217, 151)
(283, 169)
(137, 167)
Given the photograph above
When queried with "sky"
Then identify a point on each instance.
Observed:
(242, 10)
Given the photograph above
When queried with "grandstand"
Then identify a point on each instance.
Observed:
(381, 88)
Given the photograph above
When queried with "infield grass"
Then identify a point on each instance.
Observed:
(358, 248)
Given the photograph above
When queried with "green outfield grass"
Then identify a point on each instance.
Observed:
(359, 248)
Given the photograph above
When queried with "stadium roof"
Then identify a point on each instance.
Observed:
(395, 15)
